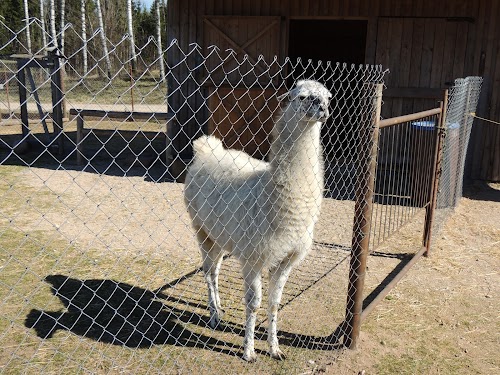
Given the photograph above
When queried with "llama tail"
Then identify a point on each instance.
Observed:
(207, 145)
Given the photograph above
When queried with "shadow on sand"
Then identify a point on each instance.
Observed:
(121, 314)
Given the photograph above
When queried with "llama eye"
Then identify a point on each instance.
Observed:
(316, 101)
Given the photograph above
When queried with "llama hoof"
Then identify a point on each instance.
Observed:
(220, 313)
(250, 357)
(278, 354)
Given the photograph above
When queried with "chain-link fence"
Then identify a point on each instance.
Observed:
(462, 102)
(101, 268)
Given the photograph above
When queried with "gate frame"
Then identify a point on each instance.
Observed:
(365, 188)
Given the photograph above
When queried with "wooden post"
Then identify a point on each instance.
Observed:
(365, 184)
(23, 98)
(6, 80)
(57, 100)
(41, 113)
(79, 139)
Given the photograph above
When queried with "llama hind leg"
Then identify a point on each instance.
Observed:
(253, 296)
(212, 259)
(277, 279)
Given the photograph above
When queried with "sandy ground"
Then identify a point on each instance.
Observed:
(442, 318)
(111, 230)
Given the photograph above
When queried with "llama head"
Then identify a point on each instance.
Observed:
(309, 100)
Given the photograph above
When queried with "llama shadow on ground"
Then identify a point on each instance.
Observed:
(121, 314)
(117, 313)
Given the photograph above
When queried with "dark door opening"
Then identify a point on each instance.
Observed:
(328, 40)
(342, 41)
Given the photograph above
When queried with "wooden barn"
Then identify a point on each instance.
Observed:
(425, 44)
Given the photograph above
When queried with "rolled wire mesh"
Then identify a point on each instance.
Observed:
(462, 102)
(100, 264)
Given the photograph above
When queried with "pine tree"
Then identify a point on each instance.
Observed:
(11, 16)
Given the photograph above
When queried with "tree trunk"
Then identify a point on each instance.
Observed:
(103, 39)
(53, 32)
(62, 61)
(62, 26)
(44, 34)
(160, 48)
(42, 20)
(84, 38)
(131, 36)
(28, 33)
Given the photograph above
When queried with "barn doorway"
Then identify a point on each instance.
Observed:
(342, 41)
(328, 40)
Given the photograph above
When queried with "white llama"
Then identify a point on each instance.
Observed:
(262, 213)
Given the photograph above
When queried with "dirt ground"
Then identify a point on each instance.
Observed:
(67, 232)
(443, 317)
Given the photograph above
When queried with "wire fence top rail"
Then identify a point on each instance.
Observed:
(407, 118)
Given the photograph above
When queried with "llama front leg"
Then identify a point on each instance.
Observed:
(211, 268)
(253, 297)
(212, 260)
(277, 279)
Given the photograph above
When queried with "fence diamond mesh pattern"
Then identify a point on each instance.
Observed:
(101, 268)
(462, 102)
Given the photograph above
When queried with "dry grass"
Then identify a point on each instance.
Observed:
(125, 242)
(88, 238)
(94, 90)
(442, 318)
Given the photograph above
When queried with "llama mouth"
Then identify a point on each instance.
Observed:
(323, 115)
(319, 115)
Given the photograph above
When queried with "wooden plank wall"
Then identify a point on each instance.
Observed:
(415, 31)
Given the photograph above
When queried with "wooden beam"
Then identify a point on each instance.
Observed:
(407, 118)
(259, 35)
(126, 115)
(235, 45)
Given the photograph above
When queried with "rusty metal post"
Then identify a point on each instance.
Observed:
(436, 174)
(365, 184)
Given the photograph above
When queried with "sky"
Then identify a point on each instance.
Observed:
(147, 3)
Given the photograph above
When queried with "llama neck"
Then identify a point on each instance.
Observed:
(296, 159)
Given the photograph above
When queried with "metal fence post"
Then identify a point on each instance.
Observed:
(436, 173)
(365, 184)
